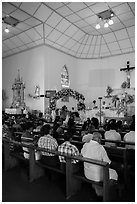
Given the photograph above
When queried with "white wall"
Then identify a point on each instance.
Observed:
(31, 66)
(54, 62)
(93, 76)
(42, 66)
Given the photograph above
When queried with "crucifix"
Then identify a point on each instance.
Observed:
(127, 70)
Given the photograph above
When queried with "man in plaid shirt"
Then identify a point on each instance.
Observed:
(69, 149)
(49, 143)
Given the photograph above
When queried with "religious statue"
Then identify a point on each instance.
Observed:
(18, 92)
(128, 69)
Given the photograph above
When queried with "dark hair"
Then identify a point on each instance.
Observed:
(132, 126)
(112, 125)
(95, 122)
(45, 129)
(119, 124)
(29, 125)
(67, 136)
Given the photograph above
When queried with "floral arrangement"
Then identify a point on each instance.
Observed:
(122, 105)
(109, 90)
(65, 92)
(124, 85)
(81, 106)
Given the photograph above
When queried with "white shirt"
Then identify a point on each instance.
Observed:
(87, 137)
(93, 150)
(112, 135)
(130, 137)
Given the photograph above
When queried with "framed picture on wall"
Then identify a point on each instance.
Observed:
(49, 93)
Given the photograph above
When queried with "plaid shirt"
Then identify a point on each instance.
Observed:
(68, 148)
(47, 142)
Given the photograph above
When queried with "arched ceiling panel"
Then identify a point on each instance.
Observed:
(69, 27)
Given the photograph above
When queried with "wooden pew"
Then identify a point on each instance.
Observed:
(13, 158)
(73, 181)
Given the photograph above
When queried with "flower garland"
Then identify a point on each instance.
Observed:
(81, 106)
(65, 92)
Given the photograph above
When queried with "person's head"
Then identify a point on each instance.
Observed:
(132, 126)
(67, 136)
(57, 118)
(45, 129)
(40, 115)
(112, 124)
(95, 122)
(29, 126)
(119, 124)
(97, 137)
(91, 128)
(60, 130)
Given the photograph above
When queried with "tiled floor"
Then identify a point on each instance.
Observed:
(16, 188)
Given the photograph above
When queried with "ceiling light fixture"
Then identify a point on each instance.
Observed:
(10, 22)
(106, 24)
(110, 22)
(97, 26)
(106, 18)
(6, 30)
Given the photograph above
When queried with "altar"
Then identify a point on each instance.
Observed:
(104, 113)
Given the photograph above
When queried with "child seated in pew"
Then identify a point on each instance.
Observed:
(70, 149)
(94, 150)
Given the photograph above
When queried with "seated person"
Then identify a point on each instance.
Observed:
(27, 138)
(69, 149)
(95, 122)
(94, 150)
(130, 136)
(39, 126)
(49, 143)
(87, 137)
(16, 126)
(57, 123)
(111, 134)
(71, 124)
(65, 122)
(119, 126)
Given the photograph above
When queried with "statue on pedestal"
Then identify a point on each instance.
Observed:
(18, 93)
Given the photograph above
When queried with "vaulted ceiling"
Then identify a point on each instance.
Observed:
(70, 28)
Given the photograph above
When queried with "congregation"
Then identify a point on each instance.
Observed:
(65, 138)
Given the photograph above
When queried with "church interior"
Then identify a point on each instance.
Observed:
(68, 101)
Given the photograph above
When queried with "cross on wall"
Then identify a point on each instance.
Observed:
(128, 69)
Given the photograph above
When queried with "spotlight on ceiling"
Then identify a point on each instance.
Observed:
(110, 22)
(97, 26)
(6, 30)
(106, 25)
(106, 17)
(10, 21)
